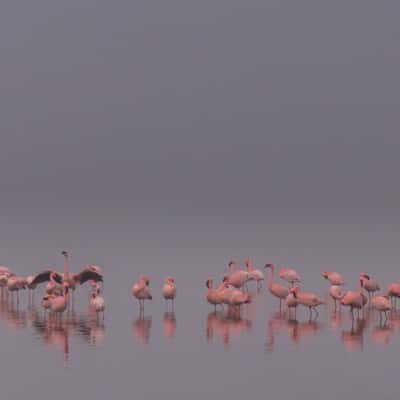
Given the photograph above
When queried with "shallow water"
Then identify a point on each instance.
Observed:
(194, 351)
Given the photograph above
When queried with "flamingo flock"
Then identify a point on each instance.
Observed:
(232, 292)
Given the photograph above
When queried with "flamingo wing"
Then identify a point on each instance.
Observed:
(44, 276)
(87, 275)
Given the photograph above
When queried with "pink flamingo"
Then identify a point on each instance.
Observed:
(97, 302)
(279, 291)
(141, 291)
(292, 302)
(58, 304)
(237, 277)
(381, 304)
(254, 274)
(334, 278)
(336, 293)
(370, 285)
(394, 292)
(169, 290)
(354, 300)
(310, 300)
(213, 296)
(289, 275)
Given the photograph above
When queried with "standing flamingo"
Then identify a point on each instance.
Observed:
(370, 285)
(336, 293)
(292, 302)
(58, 304)
(394, 292)
(97, 302)
(141, 291)
(334, 278)
(289, 275)
(381, 304)
(354, 300)
(279, 291)
(213, 296)
(310, 300)
(237, 277)
(169, 290)
(254, 274)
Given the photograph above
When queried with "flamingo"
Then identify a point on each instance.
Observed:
(97, 302)
(169, 290)
(289, 275)
(141, 291)
(334, 278)
(336, 293)
(355, 299)
(394, 292)
(292, 302)
(213, 296)
(58, 304)
(15, 284)
(370, 285)
(310, 300)
(279, 291)
(254, 274)
(237, 277)
(381, 304)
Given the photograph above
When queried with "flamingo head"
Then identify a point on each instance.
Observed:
(232, 262)
(325, 274)
(364, 275)
(170, 279)
(268, 266)
(295, 290)
(64, 253)
(209, 283)
(225, 278)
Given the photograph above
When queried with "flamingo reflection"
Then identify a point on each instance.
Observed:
(141, 329)
(282, 324)
(169, 321)
(226, 325)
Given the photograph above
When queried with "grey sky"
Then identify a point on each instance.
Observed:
(199, 108)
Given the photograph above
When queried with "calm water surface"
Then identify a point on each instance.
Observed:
(193, 351)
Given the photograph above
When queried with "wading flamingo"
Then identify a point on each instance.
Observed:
(370, 285)
(254, 274)
(97, 302)
(169, 290)
(333, 277)
(355, 300)
(289, 275)
(394, 292)
(237, 277)
(141, 291)
(381, 304)
(213, 296)
(58, 304)
(336, 293)
(310, 300)
(279, 291)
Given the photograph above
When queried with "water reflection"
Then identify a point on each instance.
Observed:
(226, 325)
(142, 328)
(52, 331)
(281, 323)
(169, 321)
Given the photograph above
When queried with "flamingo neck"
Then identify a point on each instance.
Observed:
(66, 267)
(271, 276)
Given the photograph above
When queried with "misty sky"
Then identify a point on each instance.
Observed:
(152, 109)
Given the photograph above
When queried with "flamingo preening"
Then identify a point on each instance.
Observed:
(310, 300)
(334, 278)
(289, 275)
(237, 277)
(254, 274)
(141, 291)
(169, 290)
